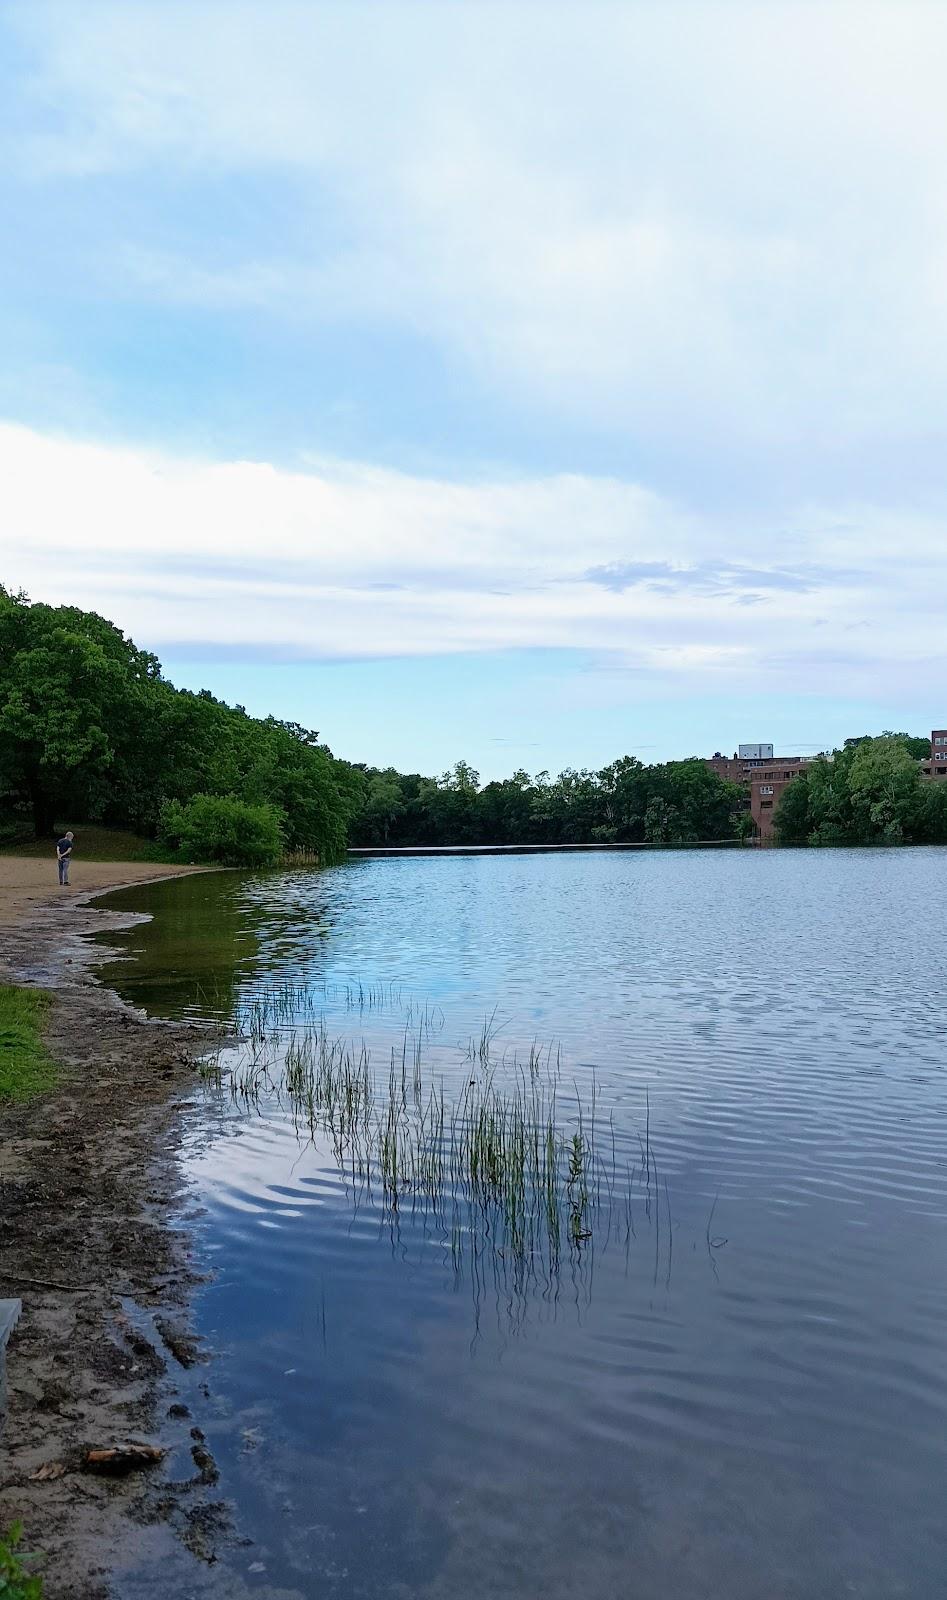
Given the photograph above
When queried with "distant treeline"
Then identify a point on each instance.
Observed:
(674, 803)
(869, 792)
(90, 731)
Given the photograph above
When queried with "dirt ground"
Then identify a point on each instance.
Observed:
(89, 1185)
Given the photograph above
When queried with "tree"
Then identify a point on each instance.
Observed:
(930, 825)
(830, 800)
(883, 782)
(382, 806)
(869, 792)
(91, 731)
(67, 686)
(792, 821)
(915, 744)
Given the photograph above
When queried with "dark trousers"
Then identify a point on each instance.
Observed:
(64, 869)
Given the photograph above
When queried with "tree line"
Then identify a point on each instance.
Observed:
(626, 802)
(869, 792)
(91, 731)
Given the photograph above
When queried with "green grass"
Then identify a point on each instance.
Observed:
(15, 1582)
(95, 844)
(25, 1066)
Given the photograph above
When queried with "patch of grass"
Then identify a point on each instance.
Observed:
(15, 1582)
(25, 1066)
(95, 844)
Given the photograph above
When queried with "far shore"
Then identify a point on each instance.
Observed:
(29, 881)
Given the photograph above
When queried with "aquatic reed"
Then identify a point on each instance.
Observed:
(514, 1156)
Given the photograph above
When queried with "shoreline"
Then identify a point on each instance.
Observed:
(28, 882)
(94, 1239)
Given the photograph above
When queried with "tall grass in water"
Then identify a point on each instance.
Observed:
(515, 1155)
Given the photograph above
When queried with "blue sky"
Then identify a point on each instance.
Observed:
(528, 383)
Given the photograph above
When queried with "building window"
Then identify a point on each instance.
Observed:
(942, 772)
(766, 805)
(766, 788)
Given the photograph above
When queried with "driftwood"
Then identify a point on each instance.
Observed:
(44, 1283)
(119, 1458)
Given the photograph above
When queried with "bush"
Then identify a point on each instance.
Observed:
(219, 828)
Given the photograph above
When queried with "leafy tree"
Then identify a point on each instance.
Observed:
(90, 730)
(915, 744)
(930, 825)
(383, 806)
(68, 682)
(869, 792)
(792, 821)
(883, 782)
(830, 800)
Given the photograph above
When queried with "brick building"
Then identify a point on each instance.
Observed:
(763, 775)
(936, 764)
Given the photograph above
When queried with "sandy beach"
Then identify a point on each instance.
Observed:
(26, 881)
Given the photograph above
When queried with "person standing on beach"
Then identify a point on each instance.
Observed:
(63, 852)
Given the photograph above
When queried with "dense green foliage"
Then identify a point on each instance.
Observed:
(25, 1067)
(217, 828)
(869, 792)
(91, 731)
(624, 803)
(915, 744)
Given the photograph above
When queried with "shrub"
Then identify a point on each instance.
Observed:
(219, 828)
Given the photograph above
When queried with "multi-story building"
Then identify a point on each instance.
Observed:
(936, 764)
(763, 775)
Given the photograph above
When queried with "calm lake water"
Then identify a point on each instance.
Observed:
(732, 1381)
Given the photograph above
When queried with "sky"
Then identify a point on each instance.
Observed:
(525, 383)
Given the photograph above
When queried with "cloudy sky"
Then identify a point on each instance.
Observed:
(532, 383)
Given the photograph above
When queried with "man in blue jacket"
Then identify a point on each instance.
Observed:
(63, 853)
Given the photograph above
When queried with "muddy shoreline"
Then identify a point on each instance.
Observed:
(94, 1240)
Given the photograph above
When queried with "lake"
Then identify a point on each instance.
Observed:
(706, 1355)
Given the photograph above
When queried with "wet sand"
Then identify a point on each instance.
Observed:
(91, 1240)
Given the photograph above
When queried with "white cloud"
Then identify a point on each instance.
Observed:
(347, 560)
(709, 228)
(678, 217)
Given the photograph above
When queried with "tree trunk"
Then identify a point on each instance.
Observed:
(44, 816)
